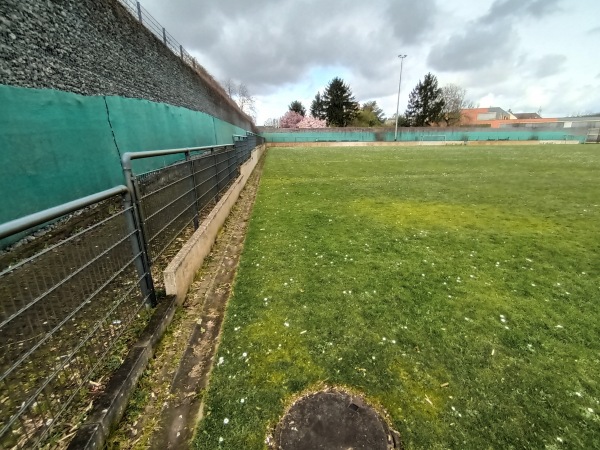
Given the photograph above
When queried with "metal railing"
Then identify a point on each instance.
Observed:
(61, 312)
(145, 18)
(63, 309)
(173, 198)
(151, 24)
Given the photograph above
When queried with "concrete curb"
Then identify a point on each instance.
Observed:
(180, 272)
(109, 408)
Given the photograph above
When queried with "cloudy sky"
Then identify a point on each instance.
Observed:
(525, 55)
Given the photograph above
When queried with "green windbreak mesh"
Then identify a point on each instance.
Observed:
(426, 135)
(57, 146)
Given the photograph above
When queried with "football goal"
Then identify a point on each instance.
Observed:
(427, 138)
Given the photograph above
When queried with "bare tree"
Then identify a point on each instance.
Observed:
(240, 93)
(230, 87)
(454, 102)
(271, 122)
(246, 101)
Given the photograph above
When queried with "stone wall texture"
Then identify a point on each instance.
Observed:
(96, 47)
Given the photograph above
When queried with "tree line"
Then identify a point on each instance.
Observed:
(428, 105)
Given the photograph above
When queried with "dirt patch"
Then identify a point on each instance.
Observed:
(167, 406)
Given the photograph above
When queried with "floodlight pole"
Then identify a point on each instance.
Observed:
(398, 102)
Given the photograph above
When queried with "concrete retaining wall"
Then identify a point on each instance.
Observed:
(96, 47)
(82, 82)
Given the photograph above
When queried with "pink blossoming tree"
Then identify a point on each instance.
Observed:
(311, 122)
(290, 120)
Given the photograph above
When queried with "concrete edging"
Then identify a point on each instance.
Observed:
(179, 274)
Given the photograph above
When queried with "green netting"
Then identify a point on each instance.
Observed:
(423, 135)
(55, 146)
(58, 146)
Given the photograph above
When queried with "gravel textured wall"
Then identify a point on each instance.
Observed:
(95, 47)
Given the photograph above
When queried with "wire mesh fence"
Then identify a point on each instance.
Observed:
(62, 311)
(174, 198)
(64, 308)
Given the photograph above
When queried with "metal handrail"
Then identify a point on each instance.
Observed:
(90, 267)
(129, 156)
(24, 223)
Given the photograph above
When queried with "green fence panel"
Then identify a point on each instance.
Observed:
(417, 135)
(141, 125)
(224, 131)
(55, 147)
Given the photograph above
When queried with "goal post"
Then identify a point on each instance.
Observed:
(427, 138)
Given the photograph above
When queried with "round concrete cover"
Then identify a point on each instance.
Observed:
(333, 420)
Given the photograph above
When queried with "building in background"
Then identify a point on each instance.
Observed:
(495, 117)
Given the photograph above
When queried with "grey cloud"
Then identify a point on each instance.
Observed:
(541, 8)
(477, 47)
(410, 19)
(548, 65)
(594, 30)
(268, 43)
(504, 9)
(489, 39)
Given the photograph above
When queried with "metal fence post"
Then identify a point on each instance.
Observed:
(188, 158)
(216, 165)
(139, 11)
(230, 153)
(141, 257)
(164, 36)
(238, 156)
(137, 202)
(131, 183)
(242, 150)
(181, 50)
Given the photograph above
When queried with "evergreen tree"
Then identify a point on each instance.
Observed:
(339, 104)
(298, 107)
(426, 103)
(369, 115)
(317, 109)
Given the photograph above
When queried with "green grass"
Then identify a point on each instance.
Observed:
(395, 271)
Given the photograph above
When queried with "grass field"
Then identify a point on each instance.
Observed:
(457, 288)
